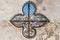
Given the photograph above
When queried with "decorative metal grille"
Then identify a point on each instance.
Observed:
(29, 20)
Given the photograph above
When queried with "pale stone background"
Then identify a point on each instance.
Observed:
(50, 8)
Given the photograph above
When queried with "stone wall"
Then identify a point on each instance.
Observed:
(50, 8)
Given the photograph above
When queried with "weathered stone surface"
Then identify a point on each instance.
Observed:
(51, 31)
(50, 8)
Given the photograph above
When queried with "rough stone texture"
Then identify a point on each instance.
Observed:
(51, 31)
(50, 8)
